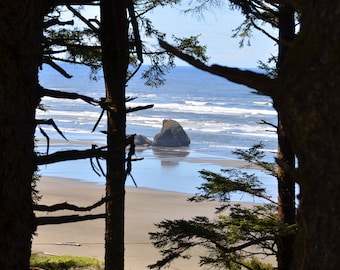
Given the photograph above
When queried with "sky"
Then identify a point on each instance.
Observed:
(215, 30)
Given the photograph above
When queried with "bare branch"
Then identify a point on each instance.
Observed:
(263, 31)
(67, 206)
(49, 122)
(83, 19)
(56, 21)
(67, 95)
(254, 80)
(71, 155)
(134, 23)
(56, 67)
(74, 2)
(47, 139)
(66, 219)
(139, 108)
(99, 118)
(267, 123)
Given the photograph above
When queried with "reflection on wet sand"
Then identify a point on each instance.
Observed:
(170, 156)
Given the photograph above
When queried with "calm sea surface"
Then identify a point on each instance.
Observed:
(218, 116)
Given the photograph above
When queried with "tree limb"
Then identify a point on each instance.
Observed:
(66, 219)
(55, 3)
(56, 67)
(263, 31)
(134, 23)
(71, 155)
(260, 82)
(52, 123)
(83, 19)
(139, 108)
(56, 21)
(67, 95)
(67, 206)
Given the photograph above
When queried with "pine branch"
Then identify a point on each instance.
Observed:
(260, 82)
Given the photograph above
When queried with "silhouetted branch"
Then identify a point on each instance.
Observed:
(83, 19)
(98, 120)
(267, 123)
(71, 155)
(75, 2)
(263, 31)
(67, 206)
(52, 123)
(56, 21)
(134, 23)
(68, 95)
(66, 219)
(56, 67)
(139, 108)
(254, 80)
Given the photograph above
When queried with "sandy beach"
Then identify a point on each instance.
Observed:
(144, 207)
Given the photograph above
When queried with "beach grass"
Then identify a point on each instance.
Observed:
(52, 262)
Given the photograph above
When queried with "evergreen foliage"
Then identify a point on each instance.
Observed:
(238, 234)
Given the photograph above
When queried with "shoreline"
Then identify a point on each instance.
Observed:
(144, 207)
(175, 170)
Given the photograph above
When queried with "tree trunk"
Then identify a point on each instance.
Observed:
(309, 102)
(115, 57)
(20, 37)
(286, 183)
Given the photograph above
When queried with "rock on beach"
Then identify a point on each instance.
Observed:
(172, 135)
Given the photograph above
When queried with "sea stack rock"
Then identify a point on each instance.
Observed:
(171, 135)
(142, 140)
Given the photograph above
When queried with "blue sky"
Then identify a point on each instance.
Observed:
(216, 31)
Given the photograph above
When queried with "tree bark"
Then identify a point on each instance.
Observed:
(285, 180)
(309, 103)
(114, 39)
(20, 37)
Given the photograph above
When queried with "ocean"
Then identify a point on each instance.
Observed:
(218, 116)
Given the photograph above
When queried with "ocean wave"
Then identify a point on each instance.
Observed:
(70, 114)
(263, 103)
(205, 108)
(196, 103)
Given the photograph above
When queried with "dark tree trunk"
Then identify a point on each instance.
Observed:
(286, 182)
(20, 37)
(309, 102)
(114, 38)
